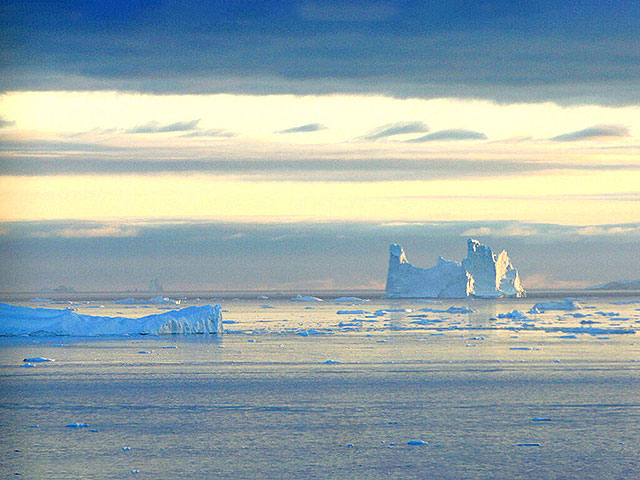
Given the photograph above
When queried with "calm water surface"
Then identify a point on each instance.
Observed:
(288, 393)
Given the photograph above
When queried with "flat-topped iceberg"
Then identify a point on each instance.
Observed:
(151, 301)
(16, 320)
(481, 274)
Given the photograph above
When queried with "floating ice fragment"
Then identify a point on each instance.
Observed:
(144, 352)
(301, 298)
(538, 419)
(348, 300)
(126, 448)
(514, 314)
(567, 336)
(528, 444)
(520, 348)
(169, 346)
(350, 445)
(331, 362)
(351, 312)
(77, 425)
(566, 304)
(416, 442)
(38, 360)
(28, 365)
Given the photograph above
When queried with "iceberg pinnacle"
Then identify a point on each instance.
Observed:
(480, 274)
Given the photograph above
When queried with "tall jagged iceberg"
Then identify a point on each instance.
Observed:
(481, 274)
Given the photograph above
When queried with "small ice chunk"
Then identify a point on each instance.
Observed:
(540, 419)
(28, 365)
(348, 300)
(514, 314)
(528, 444)
(331, 362)
(77, 425)
(126, 448)
(144, 352)
(520, 348)
(416, 442)
(38, 360)
(351, 312)
(301, 298)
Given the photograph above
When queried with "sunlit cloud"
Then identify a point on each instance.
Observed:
(595, 132)
(6, 123)
(398, 128)
(446, 135)
(309, 127)
(156, 127)
(213, 132)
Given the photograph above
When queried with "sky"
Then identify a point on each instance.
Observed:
(237, 145)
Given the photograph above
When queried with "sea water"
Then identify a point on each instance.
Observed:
(298, 390)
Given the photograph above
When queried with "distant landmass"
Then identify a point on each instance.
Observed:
(617, 285)
(481, 274)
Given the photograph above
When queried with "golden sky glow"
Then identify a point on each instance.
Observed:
(571, 199)
(249, 126)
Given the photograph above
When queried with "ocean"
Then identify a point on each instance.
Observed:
(295, 389)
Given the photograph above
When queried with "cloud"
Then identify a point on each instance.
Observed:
(309, 127)
(597, 131)
(446, 135)
(184, 252)
(502, 231)
(347, 11)
(609, 230)
(6, 123)
(506, 51)
(398, 128)
(214, 132)
(155, 127)
(70, 162)
(97, 230)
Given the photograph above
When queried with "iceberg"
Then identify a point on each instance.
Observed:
(151, 301)
(16, 320)
(480, 274)
(301, 298)
(566, 304)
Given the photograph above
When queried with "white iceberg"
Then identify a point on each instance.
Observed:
(16, 320)
(301, 298)
(481, 274)
(566, 304)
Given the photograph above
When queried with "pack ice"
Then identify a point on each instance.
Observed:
(481, 274)
(16, 320)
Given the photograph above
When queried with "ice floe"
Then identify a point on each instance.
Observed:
(38, 360)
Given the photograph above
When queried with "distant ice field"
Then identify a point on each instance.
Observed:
(395, 392)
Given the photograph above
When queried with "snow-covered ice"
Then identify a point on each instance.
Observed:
(15, 320)
(481, 274)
